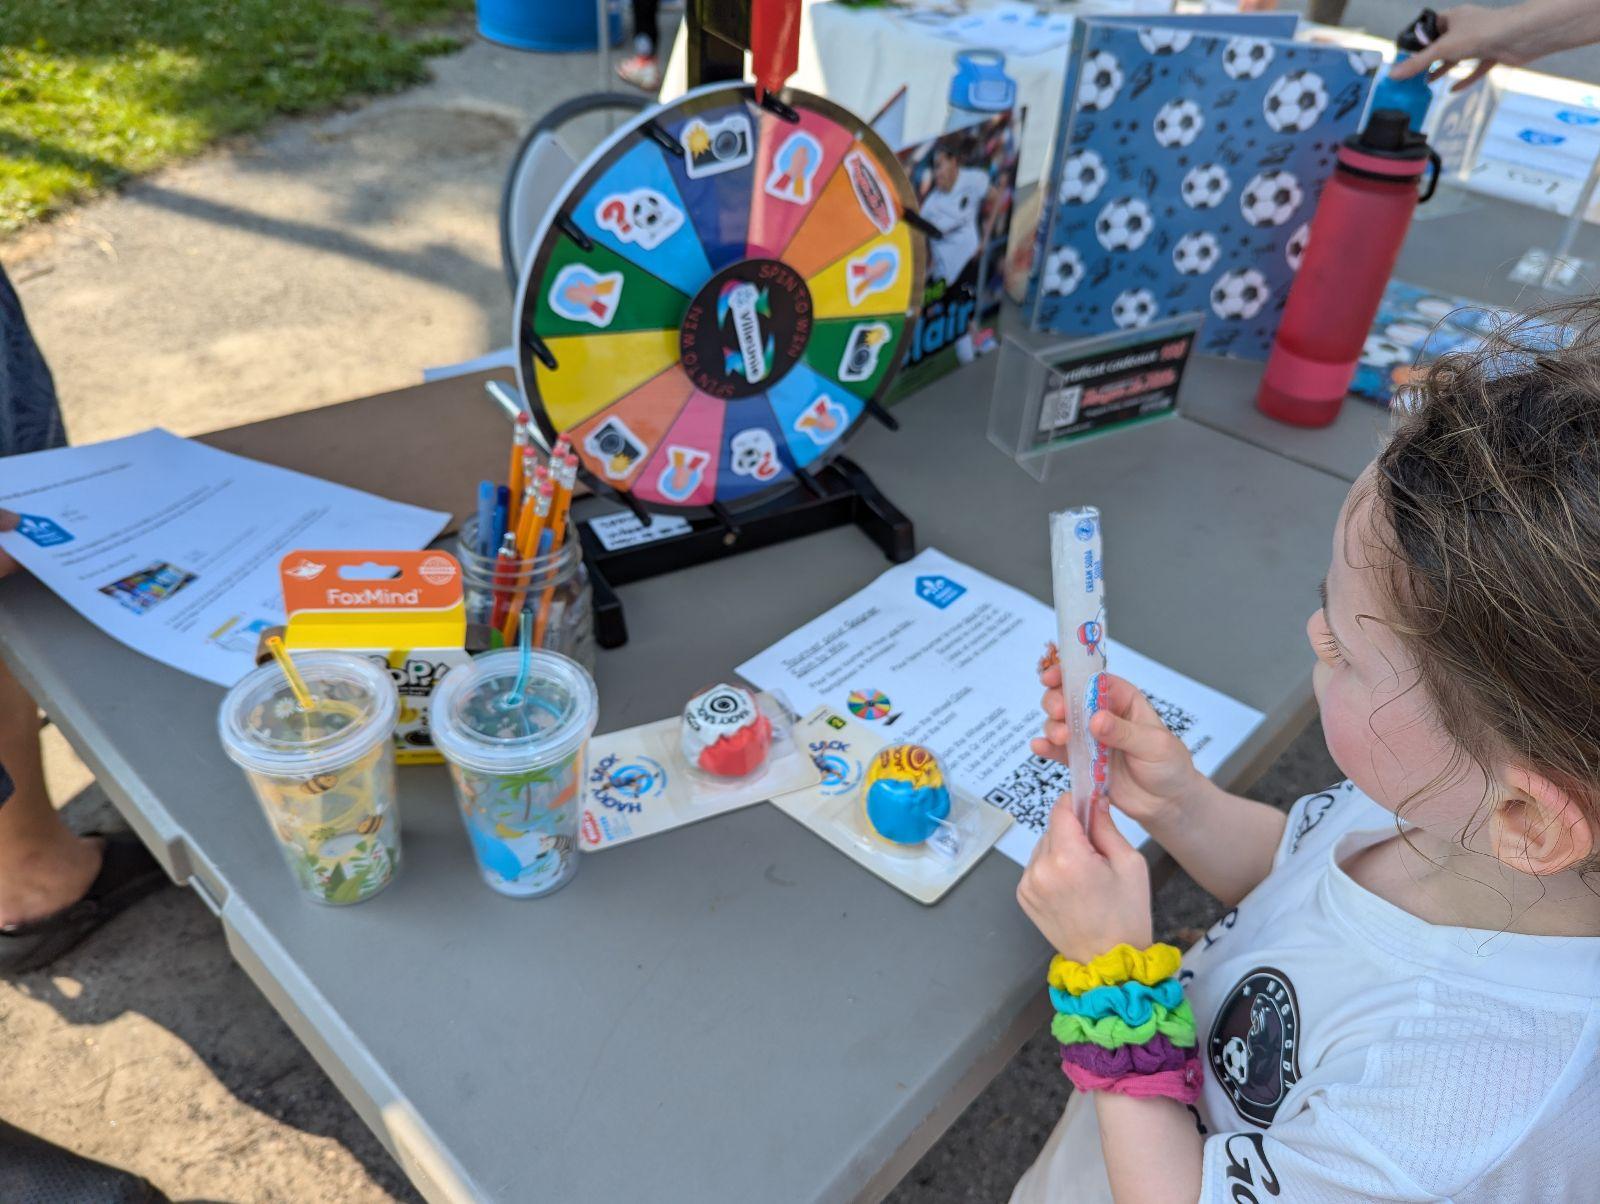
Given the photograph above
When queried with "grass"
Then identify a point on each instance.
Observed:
(93, 92)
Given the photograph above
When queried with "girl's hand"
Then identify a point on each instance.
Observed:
(1512, 36)
(1086, 891)
(1151, 773)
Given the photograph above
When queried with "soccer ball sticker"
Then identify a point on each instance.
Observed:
(1083, 175)
(1364, 62)
(1063, 271)
(1296, 250)
(1165, 41)
(1178, 122)
(1270, 198)
(1197, 252)
(1384, 354)
(1124, 224)
(1246, 58)
(1100, 82)
(1295, 102)
(1239, 294)
(1204, 186)
(1133, 308)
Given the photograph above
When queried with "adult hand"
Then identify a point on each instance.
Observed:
(1489, 35)
(1086, 891)
(8, 522)
(1150, 773)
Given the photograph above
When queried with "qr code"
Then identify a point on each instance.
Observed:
(1178, 721)
(1031, 791)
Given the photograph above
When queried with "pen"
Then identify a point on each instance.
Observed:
(486, 518)
(502, 513)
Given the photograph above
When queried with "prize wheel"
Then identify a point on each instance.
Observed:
(716, 296)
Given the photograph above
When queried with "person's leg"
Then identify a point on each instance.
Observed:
(643, 68)
(43, 865)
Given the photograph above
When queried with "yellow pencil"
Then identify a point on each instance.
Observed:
(540, 510)
(558, 533)
(516, 478)
(525, 549)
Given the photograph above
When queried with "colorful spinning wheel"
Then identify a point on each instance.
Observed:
(718, 294)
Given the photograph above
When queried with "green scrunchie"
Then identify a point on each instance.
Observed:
(1113, 1032)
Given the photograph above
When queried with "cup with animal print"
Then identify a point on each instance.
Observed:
(515, 743)
(323, 774)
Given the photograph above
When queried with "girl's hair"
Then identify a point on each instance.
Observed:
(1491, 489)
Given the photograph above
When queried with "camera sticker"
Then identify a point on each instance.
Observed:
(681, 475)
(872, 194)
(615, 447)
(822, 421)
(861, 351)
(874, 272)
(754, 454)
(794, 169)
(643, 217)
(580, 294)
(714, 147)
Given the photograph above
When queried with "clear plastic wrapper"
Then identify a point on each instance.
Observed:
(1078, 574)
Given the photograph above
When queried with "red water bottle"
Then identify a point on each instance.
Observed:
(1355, 238)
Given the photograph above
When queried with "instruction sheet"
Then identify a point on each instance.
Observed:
(936, 653)
(173, 547)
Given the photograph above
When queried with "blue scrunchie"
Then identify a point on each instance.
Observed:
(1132, 1001)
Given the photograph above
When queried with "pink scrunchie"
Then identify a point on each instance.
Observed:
(1182, 1085)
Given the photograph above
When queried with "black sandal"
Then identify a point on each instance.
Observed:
(127, 874)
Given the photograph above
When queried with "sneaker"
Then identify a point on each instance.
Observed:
(642, 71)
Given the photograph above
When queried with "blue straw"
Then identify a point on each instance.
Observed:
(486, 518)
(525, 646)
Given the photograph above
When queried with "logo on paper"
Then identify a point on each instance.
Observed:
(615, 447)
(862, 349)
(580, 294)
(45, 532)
(1573, 117)
(626, 784)
(822, 421)
(794, 168)
(1540, 138)
(716, 146)
(874, 272)
(745, 311)
(752, 453)
(871, 192)
(939, 591)
(681, 475)
(643, 217)
(840, 771)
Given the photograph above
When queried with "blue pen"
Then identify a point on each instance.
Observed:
(486, 518)
(502, 514)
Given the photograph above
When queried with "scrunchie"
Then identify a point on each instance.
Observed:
(1131, 1001)
(1155, 1055)
(1113, 1032)
(1113, 968)
(1182, 1085)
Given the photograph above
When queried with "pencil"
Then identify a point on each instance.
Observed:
(525, 541)
(539, 510)
(516, 479)
(558, 528)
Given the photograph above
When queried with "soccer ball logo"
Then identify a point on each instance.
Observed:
(1197, 252)
(1063, 271)
(1133, 307)
(1124, 224)
(1165, 41)
(1364, 62)
(1204, 186)
(1100, 81)
(1270, 198)
(1082, 177)
(1239, 294)
(1295, 102)
(1178, 122)
(1296, 250)
(1246, 58)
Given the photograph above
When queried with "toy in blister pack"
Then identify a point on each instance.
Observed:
(724, 733)
(904, 795)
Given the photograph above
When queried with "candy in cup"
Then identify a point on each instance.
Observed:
(314, 738)
(1079, 581)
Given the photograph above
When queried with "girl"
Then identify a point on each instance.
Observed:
(1401, 1003)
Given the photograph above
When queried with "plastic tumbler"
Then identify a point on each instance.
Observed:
(518, 762)
(325, 776)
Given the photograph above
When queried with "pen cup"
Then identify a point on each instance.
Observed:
(324, 777)
(492, 585)
(518, 764)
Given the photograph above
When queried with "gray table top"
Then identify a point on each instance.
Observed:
(1467, 250)
(731, 1011)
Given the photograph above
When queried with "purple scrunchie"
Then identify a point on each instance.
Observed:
(1154, 1056)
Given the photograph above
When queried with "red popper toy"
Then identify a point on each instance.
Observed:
(724, 732)
(774, 42)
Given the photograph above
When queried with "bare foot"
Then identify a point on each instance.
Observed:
(40, 880)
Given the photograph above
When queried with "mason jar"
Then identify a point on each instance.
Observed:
(554, 586)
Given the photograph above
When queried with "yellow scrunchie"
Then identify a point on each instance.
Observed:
(1113, 1032)
(1115, 967)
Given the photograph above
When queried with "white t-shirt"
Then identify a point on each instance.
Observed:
(956, 213)
(1356, 1052)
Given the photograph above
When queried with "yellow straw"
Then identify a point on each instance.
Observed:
(302, 696)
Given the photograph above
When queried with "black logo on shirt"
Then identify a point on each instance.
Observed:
(1317, 806)
(1248, 1167)
(1254, 1046)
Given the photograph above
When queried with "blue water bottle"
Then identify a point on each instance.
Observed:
(979, 89)
(1411, 96)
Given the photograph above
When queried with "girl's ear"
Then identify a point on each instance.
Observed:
(1540, 828)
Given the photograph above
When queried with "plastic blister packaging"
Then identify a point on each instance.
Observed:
(1078, 573)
